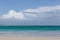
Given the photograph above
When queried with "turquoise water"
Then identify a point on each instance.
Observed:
(30, 31)
(29, 27)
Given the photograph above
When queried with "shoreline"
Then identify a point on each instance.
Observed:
(27, 38)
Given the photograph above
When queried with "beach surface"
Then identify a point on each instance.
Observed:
(28, 38)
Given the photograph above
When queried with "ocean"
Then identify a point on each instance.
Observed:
(34, 31)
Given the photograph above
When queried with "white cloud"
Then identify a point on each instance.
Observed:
(39, 13)
(43, 9)
(13, 14)
(31, 15)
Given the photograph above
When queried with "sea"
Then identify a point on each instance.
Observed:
(35, 31)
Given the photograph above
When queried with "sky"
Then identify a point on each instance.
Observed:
(29, 12)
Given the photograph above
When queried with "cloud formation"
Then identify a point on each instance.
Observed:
(43, 9)
(13, 14)
(37, 13)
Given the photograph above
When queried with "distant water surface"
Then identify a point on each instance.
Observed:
(30, 31)
(29, 27)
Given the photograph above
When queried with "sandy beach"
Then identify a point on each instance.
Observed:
(28, 38)
(30, 35)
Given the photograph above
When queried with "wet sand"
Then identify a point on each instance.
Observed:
(28, 38)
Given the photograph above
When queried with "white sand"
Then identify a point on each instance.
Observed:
(28, 38)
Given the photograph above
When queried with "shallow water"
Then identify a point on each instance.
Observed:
(35, 31)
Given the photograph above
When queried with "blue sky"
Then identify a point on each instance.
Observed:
(6, 5)
(29, 12)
